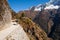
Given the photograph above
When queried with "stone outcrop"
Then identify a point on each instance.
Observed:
(5, 14)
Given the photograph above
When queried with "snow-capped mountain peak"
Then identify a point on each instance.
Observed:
(52, 4)
(39, 7)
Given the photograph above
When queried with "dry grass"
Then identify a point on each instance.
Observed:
(33, 30)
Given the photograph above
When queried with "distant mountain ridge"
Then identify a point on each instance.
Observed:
(54, 3)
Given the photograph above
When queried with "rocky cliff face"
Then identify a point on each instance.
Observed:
(55, 30)
(44, 19)
(5, 14)
(49, 20)
(33, 31)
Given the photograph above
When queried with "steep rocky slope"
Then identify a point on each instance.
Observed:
(55, 30)
(49, 20)
(33, 30)
(44, 19)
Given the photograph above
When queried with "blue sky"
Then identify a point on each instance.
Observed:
(19, 5)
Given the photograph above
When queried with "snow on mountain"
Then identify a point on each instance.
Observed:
(39, 7)
(52, 4)
(51, 7)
